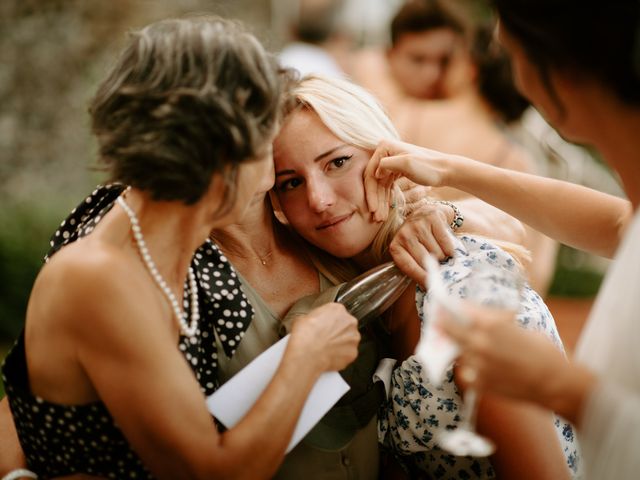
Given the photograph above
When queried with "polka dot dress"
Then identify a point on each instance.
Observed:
(61, 439)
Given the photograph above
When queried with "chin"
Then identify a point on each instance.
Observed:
(341, 251)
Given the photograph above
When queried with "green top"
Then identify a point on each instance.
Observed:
(352, 453)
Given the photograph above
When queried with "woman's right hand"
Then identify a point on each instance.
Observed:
(527, 365)
(392, 159)
(329, 335)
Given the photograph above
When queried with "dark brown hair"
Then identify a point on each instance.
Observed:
(417, 16)
(495, 77)
(596, 38)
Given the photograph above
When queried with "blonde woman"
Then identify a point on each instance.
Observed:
(331, 129)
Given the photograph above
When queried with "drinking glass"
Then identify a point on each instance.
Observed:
(370, 294)
(497, 288)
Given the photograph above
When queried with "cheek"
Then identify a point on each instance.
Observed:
(296, 209)
(403, 65)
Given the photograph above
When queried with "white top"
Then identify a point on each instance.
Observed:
(610, 433)
(308, 59)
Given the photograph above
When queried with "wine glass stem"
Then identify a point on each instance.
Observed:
(469, 409)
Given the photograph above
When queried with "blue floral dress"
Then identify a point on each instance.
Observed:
(417, 410)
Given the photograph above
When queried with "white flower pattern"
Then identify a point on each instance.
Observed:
(416, 409)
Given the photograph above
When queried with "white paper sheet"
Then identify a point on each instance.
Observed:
(231, 402)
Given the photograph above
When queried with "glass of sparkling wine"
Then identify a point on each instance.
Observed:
(497, 290)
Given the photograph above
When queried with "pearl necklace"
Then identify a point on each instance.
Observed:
(187, 329)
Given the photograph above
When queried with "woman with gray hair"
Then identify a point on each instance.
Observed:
(103, 380)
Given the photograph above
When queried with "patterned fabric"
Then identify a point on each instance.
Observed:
(416, 410)
(223, 305)
(61, 439)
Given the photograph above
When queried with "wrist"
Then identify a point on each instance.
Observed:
(450, 171)
(301, 354)
(462, 173)
(567, 391)
(456, 219)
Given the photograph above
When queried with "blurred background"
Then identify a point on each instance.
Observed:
(53, 53)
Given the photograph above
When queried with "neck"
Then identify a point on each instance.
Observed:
(253, 239)
(365, 260)
(172, 232)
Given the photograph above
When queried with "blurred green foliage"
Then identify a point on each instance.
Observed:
(576, 274)
(24, 240)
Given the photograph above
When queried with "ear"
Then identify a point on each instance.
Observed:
(277, 209)
(388, 52)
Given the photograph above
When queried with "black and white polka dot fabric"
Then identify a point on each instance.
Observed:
(59, 439)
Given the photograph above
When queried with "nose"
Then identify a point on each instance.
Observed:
(431, 72)
(320, 196)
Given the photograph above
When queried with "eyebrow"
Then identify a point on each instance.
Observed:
(318, 158)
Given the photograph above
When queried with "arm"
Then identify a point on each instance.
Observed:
(426, 230)
(564, 211)
(480, 217)
(157, 395)
(403, 323)
(527, 445)
(483, 219)
(11, 456)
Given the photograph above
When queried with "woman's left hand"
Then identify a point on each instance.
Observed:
(425, 231)
(378, 189)
(393, 159)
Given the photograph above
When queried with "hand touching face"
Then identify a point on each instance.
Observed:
(319, 184)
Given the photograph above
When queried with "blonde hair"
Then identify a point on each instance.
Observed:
(356, 117)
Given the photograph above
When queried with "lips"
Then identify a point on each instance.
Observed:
(335, 221)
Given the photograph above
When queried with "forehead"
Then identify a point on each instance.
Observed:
(303, 131)
(434, 42)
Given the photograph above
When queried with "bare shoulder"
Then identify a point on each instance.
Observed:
(84, 280)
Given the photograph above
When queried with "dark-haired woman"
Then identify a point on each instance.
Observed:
(579, 63)
(103, 381)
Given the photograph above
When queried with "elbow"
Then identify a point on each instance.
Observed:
(225, 462)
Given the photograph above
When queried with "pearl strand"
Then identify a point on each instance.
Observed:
(187, 329)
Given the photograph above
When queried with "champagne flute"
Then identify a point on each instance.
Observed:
(497, 289)
(370, 294)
